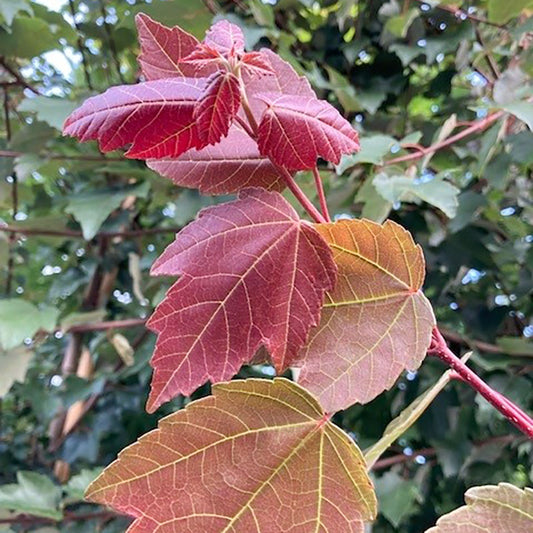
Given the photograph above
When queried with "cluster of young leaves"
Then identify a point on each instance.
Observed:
(393, 91)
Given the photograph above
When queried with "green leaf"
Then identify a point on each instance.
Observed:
(20, 319)
(522, 110)
(14, 364)
(91, 209)
(406, 419)
(53, 111)
(501, 11)
(9, 8)
(32, 137)
(33, 494)
(437, 191)
(396, 496)
(29, 37)
(400, 24)
(375, 207)
(373, 149)
(77, 485)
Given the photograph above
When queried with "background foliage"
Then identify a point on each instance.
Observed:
(74, 277)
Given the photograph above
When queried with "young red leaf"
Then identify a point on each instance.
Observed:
(376, 323)
(295, 131)
(256, 456)
(285, 79)
(217, 106)
(227, 167)
(253, 274)
(162, 48)
(256, 64)
(156, 117)
(501, 508)
(226, 38)
(203, 60)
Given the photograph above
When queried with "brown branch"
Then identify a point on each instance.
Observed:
(111, 41)
(478, 125)
(61, 157)
(19, 80)
(81, 47)
(78, 234)
(382, 464)
(25, 519)
(111, 324)
(459, 13)
(491, 62)
(472, 343)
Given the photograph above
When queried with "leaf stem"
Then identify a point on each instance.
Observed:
(511, 411)
(321, 195)
(315, 214)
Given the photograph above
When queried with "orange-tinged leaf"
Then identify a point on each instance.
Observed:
(229, 166)
(258, 456)
(252, 273)
(501, 508)
(376, 322)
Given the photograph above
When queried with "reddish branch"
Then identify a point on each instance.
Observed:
(511, 411)
(421, 152)
(321, 195)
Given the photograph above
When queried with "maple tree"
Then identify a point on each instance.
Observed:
(339, 305)
(341, 301)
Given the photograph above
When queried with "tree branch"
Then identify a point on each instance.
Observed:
(18, 78)
(479, 125)
(61, 157)
(511, 411)
(79, 234)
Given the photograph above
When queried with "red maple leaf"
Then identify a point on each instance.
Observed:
(217, 106)
(227, 167)
(226, 38)
(162, 48)
(252, 273)
(156, 118)
(296, 130)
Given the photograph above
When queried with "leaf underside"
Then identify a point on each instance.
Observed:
(376, 322)
(295, 131)
(155, 117)
(229, 166)
(501, 508)
(257, 456)
(252, 274)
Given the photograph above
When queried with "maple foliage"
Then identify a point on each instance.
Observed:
(295, 131)
(501, 508)
(195, 96)
(378, 294)
(163, 48)
(252, 274)
(226, 167)
(239, 460)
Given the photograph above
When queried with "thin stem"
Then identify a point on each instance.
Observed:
(321, 195)
(79, 234)
(245, 127)
(111, 41)
(479, 125)
(14, 200)
(511, 411)
(61, 157)
(315, 214)
(459, 13)
(111, 324)
(81, 48)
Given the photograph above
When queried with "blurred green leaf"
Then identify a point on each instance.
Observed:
(34, 494)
